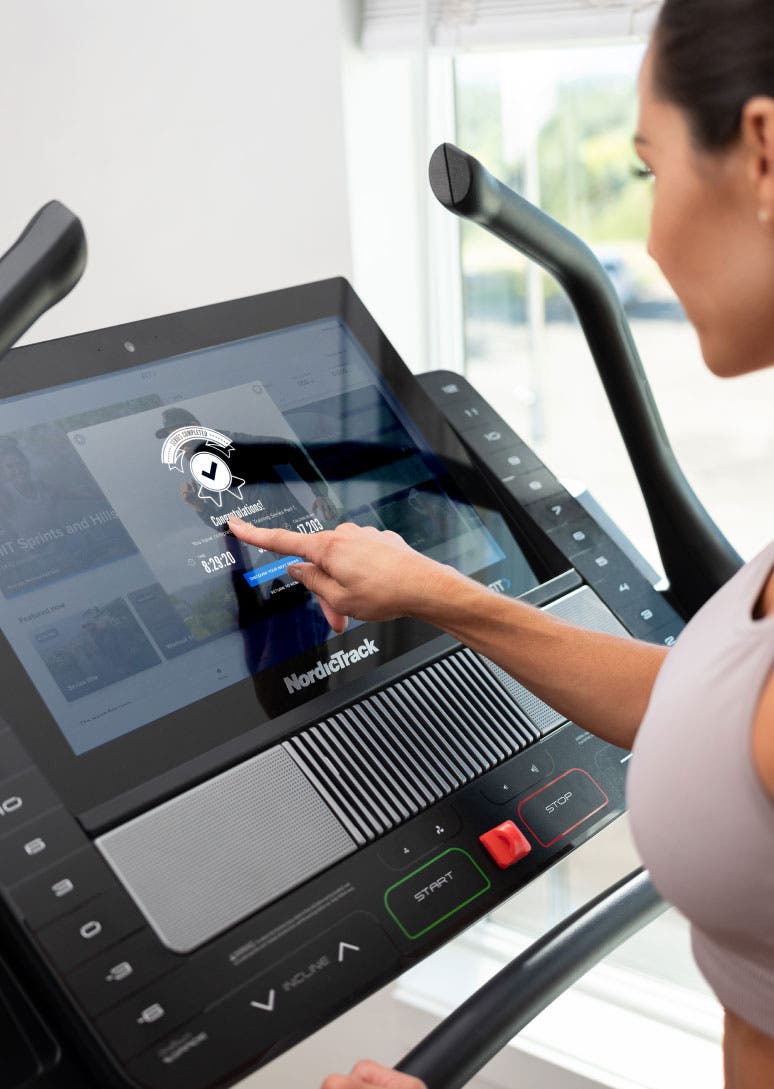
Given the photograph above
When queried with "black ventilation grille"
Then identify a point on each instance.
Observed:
(544, 717)
(387, 758)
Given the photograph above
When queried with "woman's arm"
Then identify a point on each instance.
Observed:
(601, 682)
(748, 1055)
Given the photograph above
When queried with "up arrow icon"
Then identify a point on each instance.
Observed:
(268, 1005)
(343, 946)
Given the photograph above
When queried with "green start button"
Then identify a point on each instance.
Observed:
(432, 893)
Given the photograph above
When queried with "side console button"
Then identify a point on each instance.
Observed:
(667, 635)
(120, 972)
(62, 888)
(90, 930)
(605, 561)
(435, 891)
(23, 798)
(557, 510)
(512, 462)
(536, 484)
(38, 844)
(558, 808)
(622, 593)
(139, 1021)
(490, 438)
(575, 537)
(650, 614)
(465, 413)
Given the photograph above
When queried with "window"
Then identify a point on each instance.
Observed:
(556, 125)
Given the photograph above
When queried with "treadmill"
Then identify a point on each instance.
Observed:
(221, 824)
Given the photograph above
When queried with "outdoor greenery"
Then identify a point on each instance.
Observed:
(586, 156)
(584, 153)
(585, 160)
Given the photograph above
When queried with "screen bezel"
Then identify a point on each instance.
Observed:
(171, 753)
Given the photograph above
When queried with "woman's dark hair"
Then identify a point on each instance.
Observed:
(710, 58)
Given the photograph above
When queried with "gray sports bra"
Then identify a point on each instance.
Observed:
(701, 818)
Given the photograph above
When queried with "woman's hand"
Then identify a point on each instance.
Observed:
(369, 1075)
(354, 570)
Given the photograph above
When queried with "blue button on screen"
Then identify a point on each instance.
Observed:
(269, 571)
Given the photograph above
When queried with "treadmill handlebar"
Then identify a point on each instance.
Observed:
(454, 1052)
(39, 269)
(697, 557)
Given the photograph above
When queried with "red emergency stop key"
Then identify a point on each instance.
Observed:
(505, 844)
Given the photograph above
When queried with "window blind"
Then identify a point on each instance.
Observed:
(464, 24)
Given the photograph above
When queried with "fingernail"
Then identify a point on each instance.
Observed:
(234, 521)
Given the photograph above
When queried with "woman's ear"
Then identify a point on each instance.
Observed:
(758, 141)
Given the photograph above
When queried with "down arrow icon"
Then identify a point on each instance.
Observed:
(344, 946)
(268, 1005)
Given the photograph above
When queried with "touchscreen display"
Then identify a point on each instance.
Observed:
(121, 591)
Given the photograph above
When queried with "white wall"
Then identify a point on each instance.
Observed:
(202, 144)
(397, 107)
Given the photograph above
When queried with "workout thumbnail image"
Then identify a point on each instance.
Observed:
(190, 616)
(92, 649)
(275, 621)
(54, 520)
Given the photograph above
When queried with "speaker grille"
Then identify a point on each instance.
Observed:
(199, 863)
(387, 758)
(581, 607)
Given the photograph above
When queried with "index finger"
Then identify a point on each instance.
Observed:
(306, 545)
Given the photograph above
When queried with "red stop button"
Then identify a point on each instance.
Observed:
(505, 844)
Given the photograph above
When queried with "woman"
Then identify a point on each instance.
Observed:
(700, 716)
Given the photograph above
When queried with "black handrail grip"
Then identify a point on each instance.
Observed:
(39, 269)
(697, 557)
(453, 1053)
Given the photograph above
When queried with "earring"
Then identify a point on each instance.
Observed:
(764, 215)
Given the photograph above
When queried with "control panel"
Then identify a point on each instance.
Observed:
(338, 857)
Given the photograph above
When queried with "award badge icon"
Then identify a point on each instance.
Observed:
(209, 466)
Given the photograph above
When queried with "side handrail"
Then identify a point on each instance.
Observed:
(454, 1052)
(41, 267)
(696, 556)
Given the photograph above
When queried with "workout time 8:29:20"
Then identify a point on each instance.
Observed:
(219, 562)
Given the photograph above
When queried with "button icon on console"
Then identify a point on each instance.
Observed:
(151, 1014)
(90, 930)
(344, 946)
(268, 1005)
(119, 972)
